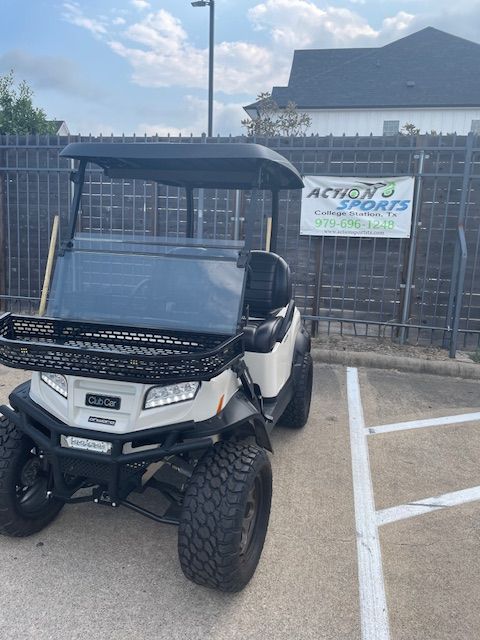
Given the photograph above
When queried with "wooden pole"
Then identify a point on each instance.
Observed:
(268, 234)
(49, 266)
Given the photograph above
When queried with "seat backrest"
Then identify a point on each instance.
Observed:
(269, 284)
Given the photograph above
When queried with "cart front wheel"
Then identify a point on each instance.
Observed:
(25, 507)
(225, 516)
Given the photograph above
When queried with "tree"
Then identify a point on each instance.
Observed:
(409, 129)
(17, 113)
(271, 120)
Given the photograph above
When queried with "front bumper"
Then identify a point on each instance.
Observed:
(117, 471)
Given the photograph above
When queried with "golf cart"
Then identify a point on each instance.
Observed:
(162, 363)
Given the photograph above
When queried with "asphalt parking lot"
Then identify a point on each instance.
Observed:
(103, 573)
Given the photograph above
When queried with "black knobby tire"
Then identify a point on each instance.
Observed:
(24, 506)
(225, 516)
(296, 413)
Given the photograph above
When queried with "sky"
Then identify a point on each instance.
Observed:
(141, 66)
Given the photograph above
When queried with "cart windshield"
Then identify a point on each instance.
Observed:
(150, 284)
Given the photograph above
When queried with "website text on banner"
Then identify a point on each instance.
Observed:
(362, 207)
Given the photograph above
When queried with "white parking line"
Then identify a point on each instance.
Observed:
(373, 604)
(403, 511)
(420, 424)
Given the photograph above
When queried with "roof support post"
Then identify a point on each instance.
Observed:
(190, 212)
(275, 212)
(78, 178)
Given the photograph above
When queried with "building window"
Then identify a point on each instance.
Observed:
(391, 127)
(475, 126)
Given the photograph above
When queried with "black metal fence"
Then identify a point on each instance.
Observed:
(423, 290)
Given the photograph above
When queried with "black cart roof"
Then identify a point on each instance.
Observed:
(195, 164)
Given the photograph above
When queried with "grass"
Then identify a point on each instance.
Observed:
(475, 356)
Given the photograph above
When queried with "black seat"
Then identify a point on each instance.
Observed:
(268, 289)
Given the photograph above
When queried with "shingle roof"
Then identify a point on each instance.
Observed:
(429, 68)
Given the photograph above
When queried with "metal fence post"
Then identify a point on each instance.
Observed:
(412, 250)
(236, 226)
(200, 209)
(319, 244)
(460, 255)
(462, 267)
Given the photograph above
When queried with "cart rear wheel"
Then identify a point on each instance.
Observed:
(25, 507)
(295, 415)
(225, 516)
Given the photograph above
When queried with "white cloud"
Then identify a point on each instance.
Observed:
(118, 21)
(226, 120)
(158, 30)
(140, 4)
(398, 23)
(296, 24)
(160, 54)
(153, 68)
(73, 13)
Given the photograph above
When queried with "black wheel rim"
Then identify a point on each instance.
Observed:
(31, 487)
(250, 518)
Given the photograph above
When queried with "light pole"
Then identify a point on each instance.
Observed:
(211, 4)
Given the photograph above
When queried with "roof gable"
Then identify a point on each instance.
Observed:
(428, 68)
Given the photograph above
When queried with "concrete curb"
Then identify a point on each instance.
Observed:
(414, 365)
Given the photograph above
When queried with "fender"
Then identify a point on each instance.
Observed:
(303, 345)
(303, 342)
(256, 429)
(261, 435)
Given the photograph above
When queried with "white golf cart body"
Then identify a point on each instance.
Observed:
(161, 363)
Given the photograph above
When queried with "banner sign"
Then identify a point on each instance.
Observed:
(361, 207)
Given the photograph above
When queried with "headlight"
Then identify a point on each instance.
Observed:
(160, 396)
(57, 382)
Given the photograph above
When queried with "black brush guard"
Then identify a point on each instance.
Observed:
(119, 472)
(128, 354)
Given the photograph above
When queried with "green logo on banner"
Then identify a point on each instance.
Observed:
(389, 190)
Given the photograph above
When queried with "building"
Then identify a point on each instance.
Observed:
(430, 79)
(61, 128)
